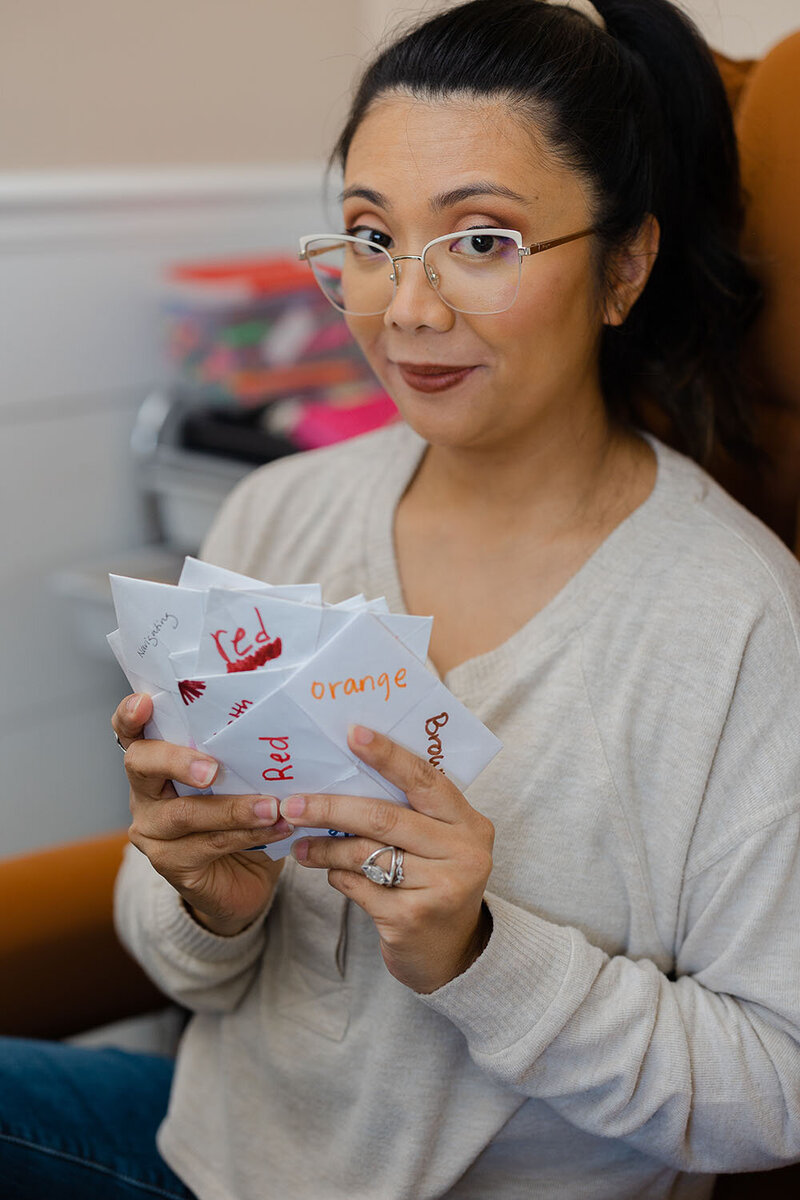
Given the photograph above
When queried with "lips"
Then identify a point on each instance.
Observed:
(433, 377)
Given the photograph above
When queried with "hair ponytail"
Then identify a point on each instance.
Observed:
(639, 110)
(681, 343)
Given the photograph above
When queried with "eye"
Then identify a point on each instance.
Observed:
(371, 237)
(478, 245)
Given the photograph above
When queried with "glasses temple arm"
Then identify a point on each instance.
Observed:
(537, 247)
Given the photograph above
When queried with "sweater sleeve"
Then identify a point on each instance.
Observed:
(701, 1072)
(196, 968)
(699, 1068)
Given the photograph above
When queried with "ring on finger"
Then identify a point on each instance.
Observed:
(378, 874)
(124, 749)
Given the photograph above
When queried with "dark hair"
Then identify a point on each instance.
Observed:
(640, 111)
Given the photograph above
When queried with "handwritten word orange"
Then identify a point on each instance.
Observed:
(435, 751)
(352, 687)
(280, 754)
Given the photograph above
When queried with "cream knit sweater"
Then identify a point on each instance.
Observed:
(636, 1014)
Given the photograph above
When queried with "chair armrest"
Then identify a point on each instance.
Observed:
(63, 969)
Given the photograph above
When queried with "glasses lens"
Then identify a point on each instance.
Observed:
(475, 272)
(354, 276)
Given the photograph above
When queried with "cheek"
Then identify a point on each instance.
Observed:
(365, 332)
(554, 308)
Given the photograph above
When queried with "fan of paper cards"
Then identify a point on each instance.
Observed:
(268, 679)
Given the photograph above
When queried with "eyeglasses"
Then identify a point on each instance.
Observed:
(476, 271)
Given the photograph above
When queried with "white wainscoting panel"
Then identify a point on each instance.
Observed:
(81, 259)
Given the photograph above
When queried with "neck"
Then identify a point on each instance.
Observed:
(554, 480)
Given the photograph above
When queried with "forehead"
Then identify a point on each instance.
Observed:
(407, 147)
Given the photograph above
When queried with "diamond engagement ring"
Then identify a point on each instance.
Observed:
(377, 874)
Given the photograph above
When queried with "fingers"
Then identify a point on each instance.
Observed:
(151, 763)
(130, 717)
(182, 816)
(379, 821)
(344, 854)
(471, 861)
(342, 859)
(197, 849)
(428, 790)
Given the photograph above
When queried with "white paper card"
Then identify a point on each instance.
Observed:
(155, 620)
(267, 680)
(363, 676)
(243, 631)
(217, 700)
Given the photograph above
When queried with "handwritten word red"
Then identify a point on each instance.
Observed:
(259, 648)
(279, 754)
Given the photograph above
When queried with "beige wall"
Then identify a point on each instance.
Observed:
(109, 83)
(744, 28)
(106, 83)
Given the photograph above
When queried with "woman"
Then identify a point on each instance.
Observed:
(586, 981)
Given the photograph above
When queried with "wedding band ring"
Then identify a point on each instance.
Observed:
(124, 749)
(377, 874)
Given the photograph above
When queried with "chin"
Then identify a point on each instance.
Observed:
(441, 423)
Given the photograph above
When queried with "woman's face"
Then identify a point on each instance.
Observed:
(417, 170)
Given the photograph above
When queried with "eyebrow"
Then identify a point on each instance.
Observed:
(483, 187)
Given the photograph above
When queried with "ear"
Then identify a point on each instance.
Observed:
(630, 270)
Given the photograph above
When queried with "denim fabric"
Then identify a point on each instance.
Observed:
(80, 1124)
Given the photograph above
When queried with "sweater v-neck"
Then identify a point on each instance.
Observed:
(611, 566)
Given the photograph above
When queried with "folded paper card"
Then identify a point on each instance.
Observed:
(268, 679)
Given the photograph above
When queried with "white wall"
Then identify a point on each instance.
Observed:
(80, 263)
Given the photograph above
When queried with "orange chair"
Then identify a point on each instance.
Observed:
(765, 97)
(63, 969)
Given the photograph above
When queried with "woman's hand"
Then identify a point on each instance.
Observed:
(434, 924)
(198, 843)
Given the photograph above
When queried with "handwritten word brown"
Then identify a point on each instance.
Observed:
(435, 751)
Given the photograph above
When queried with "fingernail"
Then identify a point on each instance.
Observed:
(293, 806)
(266, 809)
(361, 735)
(130, 704)
(283, 828)
(300, 850)
(202, 771)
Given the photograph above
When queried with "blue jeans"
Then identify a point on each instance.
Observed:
(80, 1124)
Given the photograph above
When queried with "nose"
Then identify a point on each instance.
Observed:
(416, 303)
